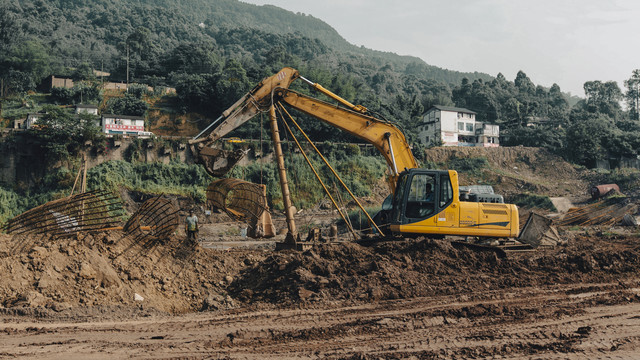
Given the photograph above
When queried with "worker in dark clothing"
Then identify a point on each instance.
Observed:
(428, 192)
(191, 226)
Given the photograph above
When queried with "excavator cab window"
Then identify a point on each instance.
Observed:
(421, 198)
(421, 194)
(446, 191)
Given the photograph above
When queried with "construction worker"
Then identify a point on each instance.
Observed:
(428, 193)
(191, 226)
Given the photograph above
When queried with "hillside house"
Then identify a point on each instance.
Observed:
(19, 123)
(31, 120)
(452, 126)
(121, 86)
(122, 124)
(86, 109)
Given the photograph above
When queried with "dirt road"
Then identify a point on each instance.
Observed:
(568, 321)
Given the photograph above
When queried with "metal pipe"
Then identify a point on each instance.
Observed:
(393, 158)
(284, 185)
(321, 89)
(208, 127)
(355, 236)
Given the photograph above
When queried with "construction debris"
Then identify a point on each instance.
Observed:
(155, 220)
(598, 191)
(242, 201)
(84, 212)
(606, 212)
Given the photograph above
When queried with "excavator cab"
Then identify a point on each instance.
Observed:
(420, 194)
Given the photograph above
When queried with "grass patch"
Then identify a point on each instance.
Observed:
(175, 178)
(471, 166)
(359, 173)
(625, 178)
(533, 201)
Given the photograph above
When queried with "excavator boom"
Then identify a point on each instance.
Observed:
(251, 104)
(386, 137)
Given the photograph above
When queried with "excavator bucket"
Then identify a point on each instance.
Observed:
(538, 231)
(218, 162)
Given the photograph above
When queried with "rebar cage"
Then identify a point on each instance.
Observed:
(156, 219)
(240, 199)
(84, 212)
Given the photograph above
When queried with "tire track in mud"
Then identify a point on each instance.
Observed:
(501, 324)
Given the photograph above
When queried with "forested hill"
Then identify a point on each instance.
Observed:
(95, 30)
(214, 51)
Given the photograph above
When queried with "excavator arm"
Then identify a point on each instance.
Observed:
(353, 119)
(218, 162)
(255, 101)
(386, 137)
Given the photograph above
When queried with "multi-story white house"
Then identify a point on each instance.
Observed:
(452, 126)
(122, 124)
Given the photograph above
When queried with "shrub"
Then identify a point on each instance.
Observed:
(359, 220)
(533, 201)
(174, 178)
(138, 90)
(469, 165)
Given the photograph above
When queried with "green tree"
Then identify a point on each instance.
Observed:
(193, 58)
(632, 96)
(524, 84)
(127, 105)
(62, 96)
(25, 65)
(603, 98)
(587, 138)
(83, 72)
(9, 34)
(60, 134)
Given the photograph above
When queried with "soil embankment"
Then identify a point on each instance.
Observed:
(516, 170)
(109, 269)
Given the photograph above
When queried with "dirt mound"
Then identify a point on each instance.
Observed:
(109, 272)
(111, 269)
(424, 268)
(513, 170)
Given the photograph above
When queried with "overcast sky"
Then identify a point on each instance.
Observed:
(567, 42)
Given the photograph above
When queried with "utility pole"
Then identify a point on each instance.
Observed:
(637, 100)
(127, 65)
(83, 188)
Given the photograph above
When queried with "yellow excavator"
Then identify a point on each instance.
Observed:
(422, 201)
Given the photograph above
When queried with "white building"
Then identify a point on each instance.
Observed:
(452, 126)
(122, 124)
(86, 109)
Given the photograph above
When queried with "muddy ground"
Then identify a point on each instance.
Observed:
(106, 295)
